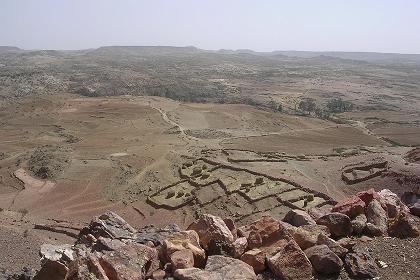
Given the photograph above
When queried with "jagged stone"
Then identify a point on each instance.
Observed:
(332, 244)
(86, 267)
(317, 229)
(155, 235)
(239, 247)
(182, 259)
(184, 240)
(132, 261)
(347, 243)
(232, 227)
(393, 203)
(107, 244)
(402, 226)
(219, 247)
(54, 261)
(211, 227)
(218, 268)
(230, 268)
(304, 238)
(255, 258)
(358, 224)
(109, 225)
(298, 218)
(316, 212)
(270, 230)
(377, 221)
(360, 265)
(290, 263)
(339, 224)
(254, 239)
(324, 260)
(367, 196)
(351, 206)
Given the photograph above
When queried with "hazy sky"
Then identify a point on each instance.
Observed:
(265, 25)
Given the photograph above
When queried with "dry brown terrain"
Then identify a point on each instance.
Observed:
(66, 157)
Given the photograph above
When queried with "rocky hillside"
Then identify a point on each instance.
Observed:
(341, 242)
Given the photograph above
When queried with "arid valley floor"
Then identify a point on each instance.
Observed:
(66, 157)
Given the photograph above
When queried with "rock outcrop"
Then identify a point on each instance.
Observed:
(211, 227)
(213, 248)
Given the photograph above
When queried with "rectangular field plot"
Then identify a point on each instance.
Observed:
(292, 195)
(267, 189)
(209, 193)
(310, 204)
(173, 197)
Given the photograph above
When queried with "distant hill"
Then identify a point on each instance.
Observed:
(4, 49)
(145, 50)
(365, 56)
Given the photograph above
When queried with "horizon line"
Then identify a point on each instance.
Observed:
(210, 50)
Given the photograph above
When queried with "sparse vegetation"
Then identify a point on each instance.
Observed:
(337, 105)
(307, 105)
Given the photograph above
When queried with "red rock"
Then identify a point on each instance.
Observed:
(211, 227)
(324, 260)
(270, 230)
(351, 206)
(255, 258)
(182, 259)
(254, 239)
(298, 218)
(290, 263)
(367, 196)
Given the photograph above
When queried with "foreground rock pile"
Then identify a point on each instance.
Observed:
(305, 243)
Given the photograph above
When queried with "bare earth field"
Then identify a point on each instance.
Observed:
(65, 157)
